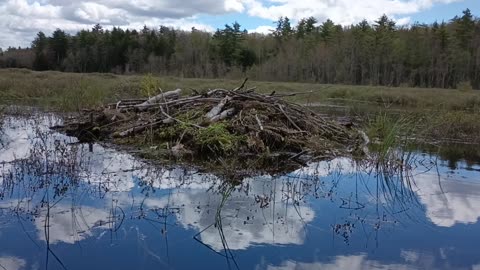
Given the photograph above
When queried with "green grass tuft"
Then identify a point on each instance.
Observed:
(216, 138)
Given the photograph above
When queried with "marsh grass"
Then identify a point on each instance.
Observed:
(465, 86)
(453, 126)
(70, 91)
(63, 91)
(390, 133)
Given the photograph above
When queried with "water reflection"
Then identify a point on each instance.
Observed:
(410, 260)
(449, 200)
(354, 262)
(12, 263)
(57, 195)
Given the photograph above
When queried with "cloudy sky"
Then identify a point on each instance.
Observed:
(20, 20)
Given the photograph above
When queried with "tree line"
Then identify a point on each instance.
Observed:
(379, 53)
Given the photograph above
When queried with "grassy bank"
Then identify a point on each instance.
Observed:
(71, 91)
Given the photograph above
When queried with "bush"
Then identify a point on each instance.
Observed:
(149, 85)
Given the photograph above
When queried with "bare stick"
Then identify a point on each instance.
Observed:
(217, 109)
(289, 118)
(178, 102)
(141, 128)
(157, 98)
(259, 122)
(224, 115)
(176, 120)
(291, 94)
(241, 86)
(214, 91)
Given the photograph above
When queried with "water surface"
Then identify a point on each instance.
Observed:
(65, 205)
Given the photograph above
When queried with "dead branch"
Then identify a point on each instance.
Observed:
(241, 86)
(217, 109)
(161, 97)
(222, 116)
(289, 118)
(259, 122)
(141, 128)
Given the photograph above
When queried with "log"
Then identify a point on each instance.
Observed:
(218, 109)
(159, 98)
(224, 115)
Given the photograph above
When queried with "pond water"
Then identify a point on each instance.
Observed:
(70, 206)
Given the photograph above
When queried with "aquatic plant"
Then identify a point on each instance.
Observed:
(391, 133)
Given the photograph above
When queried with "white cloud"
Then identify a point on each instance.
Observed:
(344, 12)
(404, 21)
(242, 227)
(111, 169)
(262, 29)
(234, 5)
(20, 20)
(455, 201)
(12, 263)
(411, 260)
(353, 262)
(70, 225)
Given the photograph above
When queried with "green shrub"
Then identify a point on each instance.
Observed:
(149, 85)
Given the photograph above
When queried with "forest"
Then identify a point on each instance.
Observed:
(440, 55)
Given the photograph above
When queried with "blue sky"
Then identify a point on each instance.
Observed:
(20, 20)
(447, 11)
(438, 12)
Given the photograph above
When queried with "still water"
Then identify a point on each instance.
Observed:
(63, 206)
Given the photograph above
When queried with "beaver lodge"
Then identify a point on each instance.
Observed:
(217, 126)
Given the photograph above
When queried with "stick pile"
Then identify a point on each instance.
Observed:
(237, 122)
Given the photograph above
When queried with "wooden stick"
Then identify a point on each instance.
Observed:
(214, 91)
(291, 94)
(177, 102)
(259, 122)
(218, 109)
(224, 115)
(141, 128)
(289, 118)
(176, 120)
(241, 86)
(157, 98)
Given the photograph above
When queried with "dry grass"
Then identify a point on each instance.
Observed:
(71, 91)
